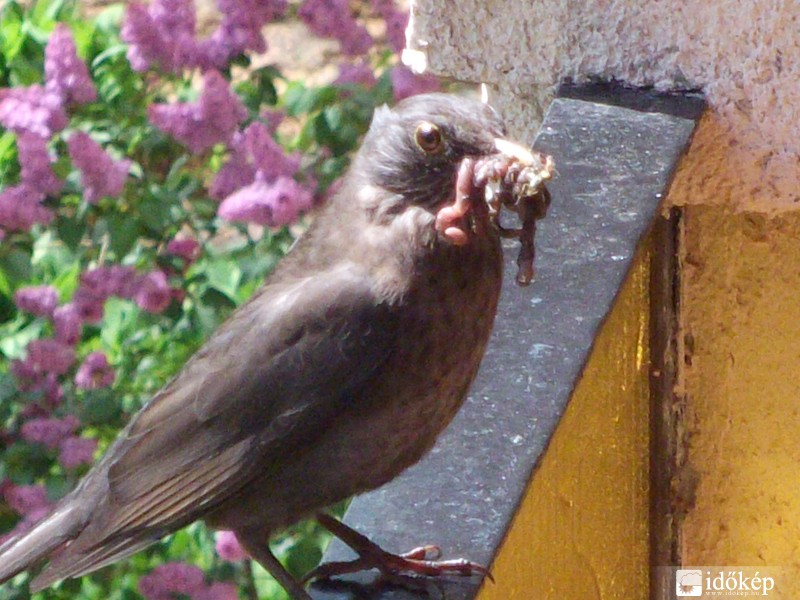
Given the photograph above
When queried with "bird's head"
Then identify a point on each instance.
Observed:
(413, 150)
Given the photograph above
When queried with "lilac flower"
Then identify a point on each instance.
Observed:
(21, 208)
(39, 300)
(406, 83)
(65, 73)
(97, 285)
(50, 356)
(95, 372)
(186, 248)
(28, 379)
(355, 74)
(89, 307)
(170, 579)
(104, 282)
(26, 499)
(228, 547)
(396, 23)
(273, 204)
(33, 109)
(76, 451)
(217, 591)
(199, 125)
(240, 30)
(161, 34)
(152, 292)
(49, 431)
(53, 392)
(253, 150)
(68, 324)
(31, 380)
(35, 162)
(101, 175)
(332, 19)
(272, 118)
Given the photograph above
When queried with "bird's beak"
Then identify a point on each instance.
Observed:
(514, 150)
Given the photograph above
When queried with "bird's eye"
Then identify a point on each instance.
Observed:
(428, 138)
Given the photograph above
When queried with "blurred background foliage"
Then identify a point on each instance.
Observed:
(151, 176)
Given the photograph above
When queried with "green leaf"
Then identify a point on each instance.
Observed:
(123, 231)
(13, 344)
(100, 407)
(16, 264)
(299, 99)
(224, 276)
(155, 214)
(26, 462)
(70, 230)
(12, 36)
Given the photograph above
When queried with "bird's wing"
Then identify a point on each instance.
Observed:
(263, 385)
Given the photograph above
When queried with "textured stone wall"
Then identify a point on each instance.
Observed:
(744, 55)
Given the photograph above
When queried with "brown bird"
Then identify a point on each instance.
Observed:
(338, 374)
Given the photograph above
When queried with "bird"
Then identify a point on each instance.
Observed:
(339, 373)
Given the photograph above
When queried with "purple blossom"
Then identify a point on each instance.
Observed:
(166, 581)
(31, 380)
(76, 451)
(101, 175)
(332, 19)
(396, 23)
(240, 30)
(53, 392)
(217, 591)
(33, 109)
(89, 307)
(273, 204)
(68, 323)
(34, 159)
(252, 150)
(186, 248)
(272, 118)
(26, 499)
(199, 125)
(228, 546)
(39, 300)
(28, 378)
(161, 34)
(97, 285)
(21, 208)
(104, 282)
(49, 431)
(406, 83)
(65, 73)
(152, 292)
(355, 74)
(50, 356)
(95, 372)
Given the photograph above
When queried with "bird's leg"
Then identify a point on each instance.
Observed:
(420, 561)
(256, 544)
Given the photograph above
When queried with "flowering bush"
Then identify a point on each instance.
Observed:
(150, 178)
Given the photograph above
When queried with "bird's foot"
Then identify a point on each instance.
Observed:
(422, 561)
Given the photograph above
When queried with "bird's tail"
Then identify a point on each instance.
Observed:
(30, 548)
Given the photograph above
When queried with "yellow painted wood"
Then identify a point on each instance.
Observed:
(741, 297)
(581, 532)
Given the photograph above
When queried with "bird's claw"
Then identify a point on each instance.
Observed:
(390, 565)
(421, 561)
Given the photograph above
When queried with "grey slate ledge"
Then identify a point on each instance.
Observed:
(615, 151)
